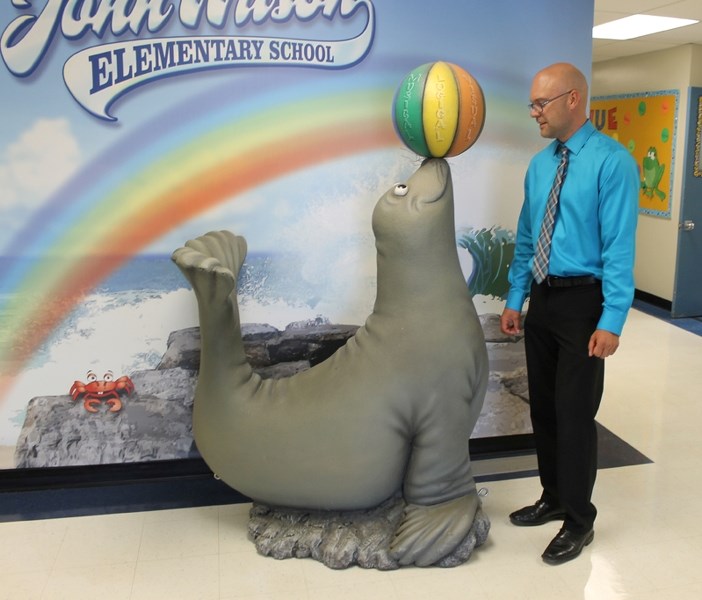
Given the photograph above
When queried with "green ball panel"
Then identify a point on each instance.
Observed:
(407, 110)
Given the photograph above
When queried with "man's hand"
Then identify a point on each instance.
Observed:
(510, 322)
(603, 343)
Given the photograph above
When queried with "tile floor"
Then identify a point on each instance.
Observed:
(648, 539)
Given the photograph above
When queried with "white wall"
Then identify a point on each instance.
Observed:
(672, 69)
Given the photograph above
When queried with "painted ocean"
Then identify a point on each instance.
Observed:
(123, 325)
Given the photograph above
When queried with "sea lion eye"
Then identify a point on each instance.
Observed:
(400, 189)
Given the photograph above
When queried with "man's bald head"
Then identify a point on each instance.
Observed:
(560, 118)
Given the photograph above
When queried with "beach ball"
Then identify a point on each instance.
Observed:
(438, 110)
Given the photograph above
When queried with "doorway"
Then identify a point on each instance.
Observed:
(687, 289)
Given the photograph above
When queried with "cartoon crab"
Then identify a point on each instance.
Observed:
(97, 390)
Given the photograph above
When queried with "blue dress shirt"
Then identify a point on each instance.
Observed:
(595, 230)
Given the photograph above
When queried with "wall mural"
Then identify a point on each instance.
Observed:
(125, 134)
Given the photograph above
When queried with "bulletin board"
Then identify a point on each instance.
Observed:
(697, 171)
(645, 123)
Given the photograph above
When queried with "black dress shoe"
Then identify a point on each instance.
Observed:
(566, 546)
(537, 514)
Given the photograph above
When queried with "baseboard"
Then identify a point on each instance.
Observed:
(18, 480)
(653, 300)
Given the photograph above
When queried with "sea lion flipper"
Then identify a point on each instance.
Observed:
(224, 246)
(211, 263)
(429, 533)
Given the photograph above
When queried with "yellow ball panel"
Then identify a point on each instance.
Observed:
(440, 109)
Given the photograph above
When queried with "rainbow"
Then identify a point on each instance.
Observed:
(207, 149)
(158, 178)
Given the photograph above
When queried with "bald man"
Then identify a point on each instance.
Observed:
(580, 286)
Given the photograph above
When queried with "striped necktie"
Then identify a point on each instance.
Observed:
(543, 245)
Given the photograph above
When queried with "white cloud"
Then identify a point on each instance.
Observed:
(8, 193)
(35, 164)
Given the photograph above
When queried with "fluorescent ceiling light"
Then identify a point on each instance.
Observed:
(636, 26)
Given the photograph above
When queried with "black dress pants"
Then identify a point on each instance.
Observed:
(565, 389)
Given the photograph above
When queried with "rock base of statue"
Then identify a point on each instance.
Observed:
(341, 539)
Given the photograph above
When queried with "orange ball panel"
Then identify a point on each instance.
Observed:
(471, 114)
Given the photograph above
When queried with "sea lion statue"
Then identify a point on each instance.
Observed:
(391, 412)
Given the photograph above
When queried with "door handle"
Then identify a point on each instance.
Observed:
(687, 225)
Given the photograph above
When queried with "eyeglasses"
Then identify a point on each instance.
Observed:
(539, 105)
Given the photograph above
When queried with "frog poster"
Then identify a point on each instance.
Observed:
(644, 123)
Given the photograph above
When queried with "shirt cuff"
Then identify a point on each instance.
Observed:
(515, 300)
(612, 321)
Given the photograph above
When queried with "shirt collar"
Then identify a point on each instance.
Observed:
(576, 141)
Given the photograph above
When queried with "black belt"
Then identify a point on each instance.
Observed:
(553, 281)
